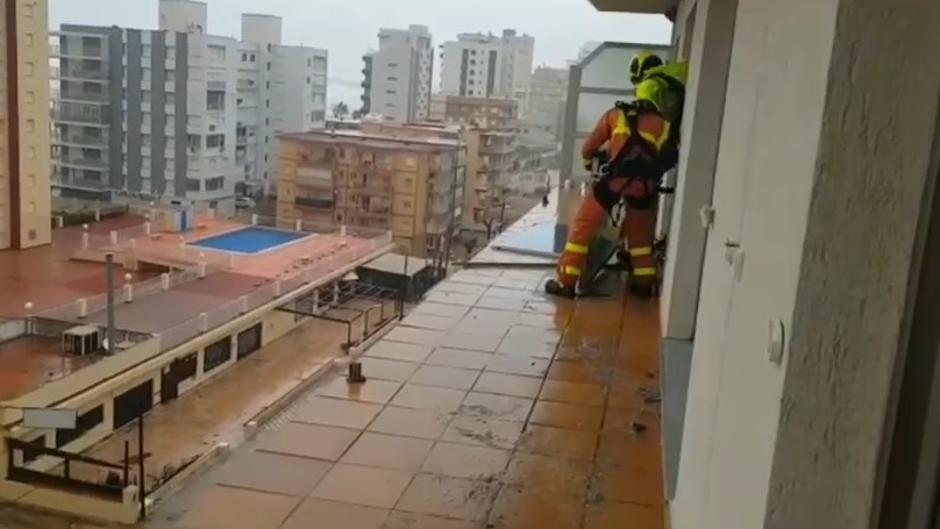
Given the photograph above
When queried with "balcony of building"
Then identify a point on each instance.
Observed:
(75, 136)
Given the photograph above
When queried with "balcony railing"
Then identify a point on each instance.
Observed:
(81, 139)
(80, 113)
(77, 72)
(78, 95)
(95, 163)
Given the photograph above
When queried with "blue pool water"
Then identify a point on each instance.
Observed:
(249, 240)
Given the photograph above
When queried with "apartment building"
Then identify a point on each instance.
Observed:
(496, 122)
(485, 65)
(279, 89)
(176, 114)
(398, 75)
(412, 186)
(366, 84)
(24, 125)
(546, 102)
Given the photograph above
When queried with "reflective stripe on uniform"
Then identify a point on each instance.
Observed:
(574, 247)
(571, 271)
(658, 142)
(641, 251)
(621, 127)
(644, 271)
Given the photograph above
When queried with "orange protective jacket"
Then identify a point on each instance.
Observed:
(639, 223)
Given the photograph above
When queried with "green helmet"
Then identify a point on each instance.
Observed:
(641, 63)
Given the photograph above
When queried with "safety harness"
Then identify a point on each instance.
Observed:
(640, 161)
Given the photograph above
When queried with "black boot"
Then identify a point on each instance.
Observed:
(555, 288)
(642, 290)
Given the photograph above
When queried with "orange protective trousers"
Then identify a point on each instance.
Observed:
(639, 230)
(613, 130)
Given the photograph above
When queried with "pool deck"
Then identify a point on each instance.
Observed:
(49, 277)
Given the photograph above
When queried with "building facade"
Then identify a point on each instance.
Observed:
(545, 104)
(25, 201)
(411, 186)
(485, 65)
(398, 75)
(176, 114)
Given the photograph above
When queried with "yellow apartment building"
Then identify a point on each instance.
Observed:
(25, 200)
(411, 186)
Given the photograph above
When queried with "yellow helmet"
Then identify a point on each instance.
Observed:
(641, 63)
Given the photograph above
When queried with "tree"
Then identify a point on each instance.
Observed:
(340, 110)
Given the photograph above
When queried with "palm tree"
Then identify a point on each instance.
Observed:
(340, 110)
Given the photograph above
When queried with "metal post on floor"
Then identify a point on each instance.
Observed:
(140, 452)
(127, 461)
(109, 274)
(404, 290)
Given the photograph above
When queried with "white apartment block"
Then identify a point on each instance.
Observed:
(24, 125)
(398, 75)
(544, 106)
(279, 89)
(478, 65)
(168, 114)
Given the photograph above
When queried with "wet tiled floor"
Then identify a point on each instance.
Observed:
(530, 414)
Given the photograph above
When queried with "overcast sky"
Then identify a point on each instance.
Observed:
(348, 28)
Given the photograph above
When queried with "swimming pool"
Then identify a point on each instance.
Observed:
(249, 240)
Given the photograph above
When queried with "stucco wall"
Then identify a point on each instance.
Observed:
(708, 71)
(763, 183)
(867, 200)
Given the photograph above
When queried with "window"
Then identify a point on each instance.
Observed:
(392, 78)
(30, 97)
(192, 184)
(249, 341)
(265, 156)
(309, 61)
(29, 39)
(267, 121)
(391, 91)
(28, 10)
(267, 103)
(29, 68)
(269, 47)
(30, 125)
(215, 100)
(217, 354)
(39, 442)
(31, 234)
(86, 422)
(267, 85)
(251, 57)
(31, 207)
(244, 57)
(215, 184)
(217, 52)
(267, 66)
(393, 65)
(266, 139)
(308, 79)
(215, 141)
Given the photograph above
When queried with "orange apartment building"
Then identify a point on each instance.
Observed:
(411, 186)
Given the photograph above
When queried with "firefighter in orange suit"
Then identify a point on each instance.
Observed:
(641, 145)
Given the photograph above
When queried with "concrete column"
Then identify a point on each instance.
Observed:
(203, 322)
(243, 302)
(254, 219)
(709, 60)
(114, 237)
(81, 306)
(165, 281)
(298, 225)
